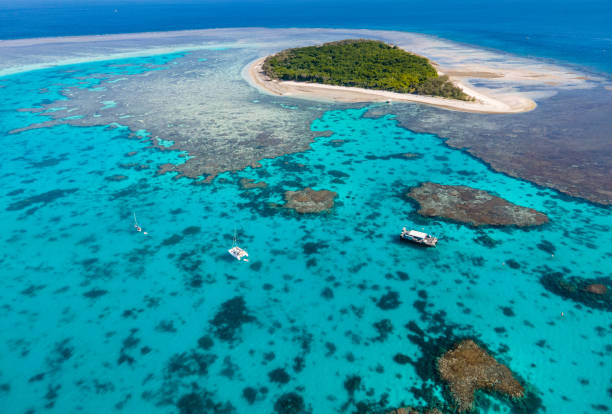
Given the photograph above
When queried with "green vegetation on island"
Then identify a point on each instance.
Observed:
(362, 63)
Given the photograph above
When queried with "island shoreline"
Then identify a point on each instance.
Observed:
(484, 104)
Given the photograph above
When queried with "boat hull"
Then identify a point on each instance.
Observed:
(239, 254)
(419, 242)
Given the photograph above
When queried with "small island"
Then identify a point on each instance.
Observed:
(361, 63)
(356, 71)
(472, 206)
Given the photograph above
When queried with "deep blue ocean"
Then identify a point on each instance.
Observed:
(572, 31)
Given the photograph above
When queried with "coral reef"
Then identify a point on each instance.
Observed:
(201, 403)
(595, 293)
(250, 131)
(309, 200)
(116, 177)
(410, 410)
(539, 146)
(279, 376)
(472, 206)
(290, 403)
(390, 300)
(248, 183)
(229, 319)
(468, 368)
(36, 201)
(596, 288)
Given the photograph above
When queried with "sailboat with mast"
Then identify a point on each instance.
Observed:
(136, 226)
(237, 252)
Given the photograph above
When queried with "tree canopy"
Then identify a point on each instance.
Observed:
(361, 63)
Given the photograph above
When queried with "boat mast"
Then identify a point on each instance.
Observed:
(135, 222)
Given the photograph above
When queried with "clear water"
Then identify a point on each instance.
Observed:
(97, 317)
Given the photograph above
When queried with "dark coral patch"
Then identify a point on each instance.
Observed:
(249, 394)
(166, 326)
(338, 174)
(389, 301)
(230, 318)
(117, 177)
(402, 359)
(546, 246)
(202, 403)
(352, 384)
(384, 328)
(172, 240)
(290, 403)
(191, 404)
(95, 293)
(191, 230)
(15, 192)
(41, 199)
(37, 377)
(327, 293)
(513, 264)
(311, 248)
(32, 290)
(486, 240)
(403, 276)
(579, 289)
(189, 363)
(279, 376)
(299, 363)
(205, 342)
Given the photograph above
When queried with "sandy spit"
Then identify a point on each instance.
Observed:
(507, 103)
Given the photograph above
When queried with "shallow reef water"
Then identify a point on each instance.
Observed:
(331, 314)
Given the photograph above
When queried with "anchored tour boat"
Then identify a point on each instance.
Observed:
(237, 252)
(418, 237)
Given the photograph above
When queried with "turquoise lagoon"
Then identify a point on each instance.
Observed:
(99, 318)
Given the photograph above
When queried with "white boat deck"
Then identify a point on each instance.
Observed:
(239, 254)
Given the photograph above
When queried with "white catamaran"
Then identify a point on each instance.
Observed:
(237, 252)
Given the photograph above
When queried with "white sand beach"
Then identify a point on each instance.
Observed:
(490, 103)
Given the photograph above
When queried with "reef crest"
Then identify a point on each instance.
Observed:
(470, 205)
(309, 200)
(410, 410)
(468, 368)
